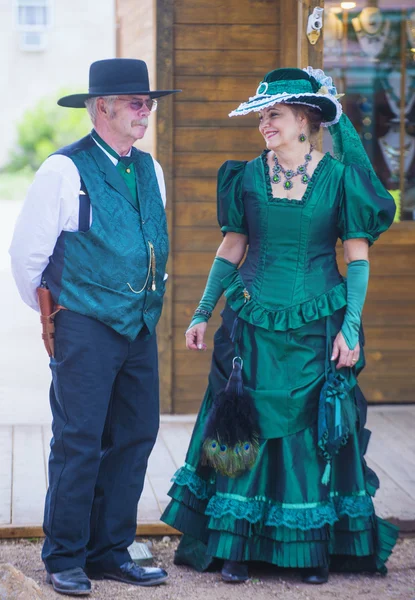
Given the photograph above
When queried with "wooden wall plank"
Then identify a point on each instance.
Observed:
(395, 362)
(217, 139)
(384, 388)
(198, 240)
(195, 190)
(389, 261)
(190, 390)
(212, 114)
(374, 316)
(185, 261)
(226, 88)
(376, 388)
(6, 441)
(199, 214)
(206, 164)
(386, 264)
(289, 34)
(397, 338)
(255, 12)
(383, 288)
(194, 36)
(400, 234)
(231, 62)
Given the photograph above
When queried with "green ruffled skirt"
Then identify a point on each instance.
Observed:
(279, 511)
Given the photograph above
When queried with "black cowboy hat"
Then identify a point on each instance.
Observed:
(115, 77)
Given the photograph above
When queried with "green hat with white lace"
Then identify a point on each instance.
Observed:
(309, 86)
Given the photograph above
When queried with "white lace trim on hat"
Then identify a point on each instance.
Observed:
(257, 103)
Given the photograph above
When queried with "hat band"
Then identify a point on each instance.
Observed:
(288, 87)
(121, 87)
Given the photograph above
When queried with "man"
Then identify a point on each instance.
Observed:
(93, 231)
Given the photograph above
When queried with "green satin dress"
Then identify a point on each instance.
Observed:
(286, 296)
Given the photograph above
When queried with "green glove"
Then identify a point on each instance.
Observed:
(213, 290)
(357, 282)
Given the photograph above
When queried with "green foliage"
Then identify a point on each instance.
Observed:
(45, 128)
(14, 186)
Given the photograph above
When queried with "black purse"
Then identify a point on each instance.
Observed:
(337, 413)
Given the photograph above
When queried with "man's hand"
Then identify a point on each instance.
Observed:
(195, 336)
(346, 357)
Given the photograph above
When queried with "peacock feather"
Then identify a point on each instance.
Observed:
(230, 461)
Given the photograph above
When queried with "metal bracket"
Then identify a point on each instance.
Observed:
(315, 25)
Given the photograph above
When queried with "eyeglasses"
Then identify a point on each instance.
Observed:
(138, 104)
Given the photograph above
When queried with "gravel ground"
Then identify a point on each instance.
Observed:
(266, 582)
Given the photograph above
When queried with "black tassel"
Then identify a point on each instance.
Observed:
(231, 431)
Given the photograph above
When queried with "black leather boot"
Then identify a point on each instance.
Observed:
(316, 576)
(234, 572)
(131, 573)
(72, 582)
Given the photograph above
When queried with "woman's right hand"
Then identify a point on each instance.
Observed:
(195, 336)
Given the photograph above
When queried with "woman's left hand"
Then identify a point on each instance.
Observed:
(346, 357)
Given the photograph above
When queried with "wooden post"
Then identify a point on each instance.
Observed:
(164, 78)
(296, 50)
(288, 19)
(311, 55)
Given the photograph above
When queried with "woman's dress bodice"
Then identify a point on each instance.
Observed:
(290, 275)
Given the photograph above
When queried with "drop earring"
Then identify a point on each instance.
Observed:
(302, 137)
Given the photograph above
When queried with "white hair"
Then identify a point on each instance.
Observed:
(91, 106)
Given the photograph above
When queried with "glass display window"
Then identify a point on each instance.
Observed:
(369, 50)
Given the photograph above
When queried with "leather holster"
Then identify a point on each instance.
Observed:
(48, 311)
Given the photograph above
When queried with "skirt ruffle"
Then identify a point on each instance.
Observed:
(340, 529)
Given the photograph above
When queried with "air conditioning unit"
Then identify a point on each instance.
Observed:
(33, 41)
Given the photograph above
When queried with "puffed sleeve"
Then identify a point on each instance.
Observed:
(231, 214)
(367, 209)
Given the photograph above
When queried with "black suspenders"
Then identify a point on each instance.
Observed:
(84, 208)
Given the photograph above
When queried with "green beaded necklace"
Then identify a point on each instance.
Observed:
(278, 169)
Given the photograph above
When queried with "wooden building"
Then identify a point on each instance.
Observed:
(216, 51)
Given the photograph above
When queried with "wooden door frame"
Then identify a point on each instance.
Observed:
(164, 145)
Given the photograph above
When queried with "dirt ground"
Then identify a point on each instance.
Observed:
(266, 582)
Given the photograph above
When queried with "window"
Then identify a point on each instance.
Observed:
(32, 40)
(33, 18)
(33, 14)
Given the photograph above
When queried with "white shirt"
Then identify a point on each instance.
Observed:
(51, 206)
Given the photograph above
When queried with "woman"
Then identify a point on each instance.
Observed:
(290, 325)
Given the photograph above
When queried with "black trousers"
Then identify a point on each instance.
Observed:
(105, 405)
